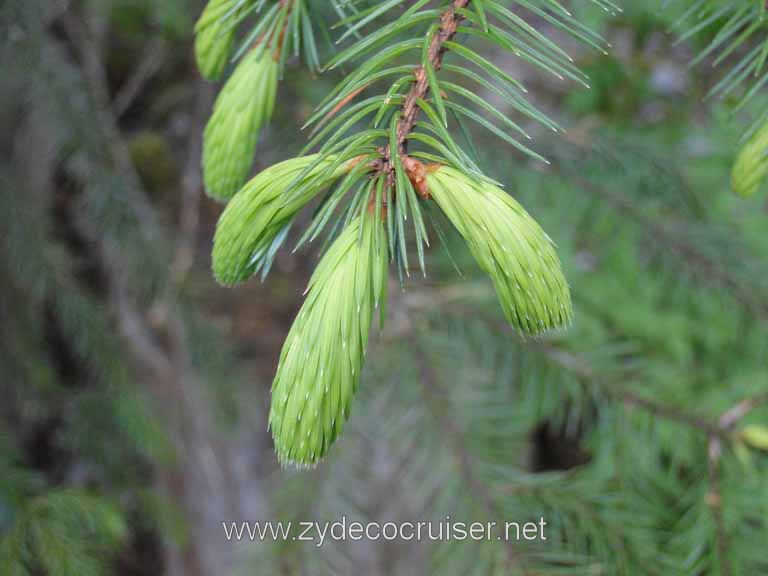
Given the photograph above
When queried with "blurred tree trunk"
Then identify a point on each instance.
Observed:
(216, 475)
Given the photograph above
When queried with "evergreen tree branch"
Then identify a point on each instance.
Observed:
(720, 428)
(432, 395)
(727, 422)
(629, 398)
(719, 432)
(449, 23)
(690, 254)
(581, 368)
(151, 63)
(741, 410)
(715, 504)
(191, 183)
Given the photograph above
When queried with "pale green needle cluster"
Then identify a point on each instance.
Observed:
(751, 164)
(214, 36)
(322, 357)
(245, 105)
(255, 221)
(510, 246)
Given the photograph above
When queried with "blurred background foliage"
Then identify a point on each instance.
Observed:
(134, 390)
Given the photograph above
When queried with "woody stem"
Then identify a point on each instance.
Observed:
(449, 23)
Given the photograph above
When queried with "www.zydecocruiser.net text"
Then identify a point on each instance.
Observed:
(344, 531)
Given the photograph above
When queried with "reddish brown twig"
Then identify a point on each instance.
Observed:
(449, 23)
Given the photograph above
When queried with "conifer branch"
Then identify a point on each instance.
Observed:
(689, 253)
(581, 368)
(727, 422)
(741, 410)
(449, 23)
(433, 394)
(372, 168)
(715, 504)
(613, 389)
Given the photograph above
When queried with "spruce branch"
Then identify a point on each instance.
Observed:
(247, 101)
(741, 44)
(734, 415)
(613, 389)
(721, 427)
(715, 504)
(449, 23)
(666, 237)
(373, 170)
(434, 399)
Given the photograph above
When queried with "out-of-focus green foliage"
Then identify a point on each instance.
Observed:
(169, 18)
(63, 532)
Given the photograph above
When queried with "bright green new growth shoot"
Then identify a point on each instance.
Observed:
(510, 247)
(322, 357)
(751, 165)
(256, 221)
(244, 106)
(737, 45)
(214, 36)
(246, 103)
